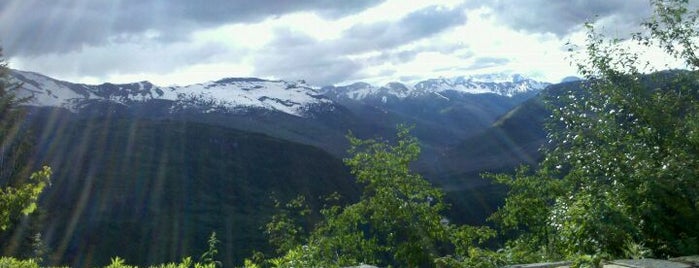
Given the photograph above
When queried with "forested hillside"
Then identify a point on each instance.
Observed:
(151, 191)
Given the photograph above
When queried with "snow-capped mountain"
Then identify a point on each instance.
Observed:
(229, 95)
(239, 95)
(502, 84)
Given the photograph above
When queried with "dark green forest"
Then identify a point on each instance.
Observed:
(618, 178)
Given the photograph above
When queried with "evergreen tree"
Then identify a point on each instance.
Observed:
(19, 189)
(14, 148)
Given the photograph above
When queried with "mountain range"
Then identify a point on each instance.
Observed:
(443, 111)
(168, 165)
(240, 94)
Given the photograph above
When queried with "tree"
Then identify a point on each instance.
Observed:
(284, 231)
(621, 167)
(19, 190)
(397, 221)
(13, 148)
(15, 201)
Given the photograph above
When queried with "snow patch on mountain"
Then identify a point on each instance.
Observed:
(243, 94)
(45, 91)
(239, 93)
(501, 83)
(230, 94)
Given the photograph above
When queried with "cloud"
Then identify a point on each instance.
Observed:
(36, 27)
(564, 17)
(295, 55)
(487, 62)
(106, 62)
(417, 25)
(323, 70)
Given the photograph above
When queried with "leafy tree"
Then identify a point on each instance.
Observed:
(18, 189)
(285, 231)
(397, 221)
(621, 167)
(15, 201)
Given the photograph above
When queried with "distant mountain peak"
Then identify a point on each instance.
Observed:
(228, 94)
(500, 83)
(239, 94)
(505, 84)
(496, 78)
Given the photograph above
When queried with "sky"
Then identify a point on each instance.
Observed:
(324, 42)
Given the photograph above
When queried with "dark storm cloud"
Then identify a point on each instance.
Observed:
(564, 17)
(293, 55)
(34, 27)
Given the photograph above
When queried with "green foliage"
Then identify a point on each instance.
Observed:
(118, 263)
(209, 256)
(285, 230)
(14, 143)
(17, 195)
(250, 264)
(146, 186)
(636, 251)
(622, 161)
(19, 190)
(8, 101)
(39, 249)
(9, 262)
(592, 261)
(187, 263)
(15, 201)
(397, 221)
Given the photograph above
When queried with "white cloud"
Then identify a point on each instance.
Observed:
(321, 42)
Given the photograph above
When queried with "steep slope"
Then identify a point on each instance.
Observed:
(443, 111)
(152, 191)
(514, 139)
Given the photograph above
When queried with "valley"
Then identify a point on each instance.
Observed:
(171, 165)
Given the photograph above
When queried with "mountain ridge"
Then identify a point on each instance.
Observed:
(237, 94)
(125, 146)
